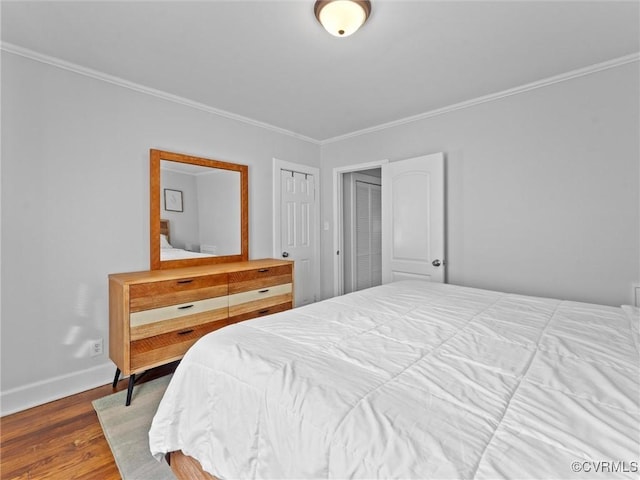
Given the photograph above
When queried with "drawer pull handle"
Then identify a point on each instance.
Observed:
(263, 291)
(185, 332)
(186, 281)
(263, 270)
(262, 312)
(184, 307)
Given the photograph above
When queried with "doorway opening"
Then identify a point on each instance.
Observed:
(412, 220)
(357, 227)
(362, 229)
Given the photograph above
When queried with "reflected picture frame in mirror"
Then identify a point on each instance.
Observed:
(159, 225)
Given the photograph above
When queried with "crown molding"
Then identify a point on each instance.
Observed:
(616, 62)
(89, 72)
(57, 62)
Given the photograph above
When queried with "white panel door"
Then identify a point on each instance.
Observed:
(297, 231)
(413, 219)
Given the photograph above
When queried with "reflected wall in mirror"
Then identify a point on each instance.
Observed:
(208, 198)
(199, 211)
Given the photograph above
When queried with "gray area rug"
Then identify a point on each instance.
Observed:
(127, 430)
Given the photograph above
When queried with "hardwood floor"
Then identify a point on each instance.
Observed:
(61, 439)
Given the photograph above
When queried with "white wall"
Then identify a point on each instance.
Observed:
(219, 199)
(184, 226)
(75, 207)
(542, 187)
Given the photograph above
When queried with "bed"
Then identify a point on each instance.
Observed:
(169, 252)
(414, 380)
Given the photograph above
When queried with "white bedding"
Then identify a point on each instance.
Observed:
(180, 254)
(413, 380)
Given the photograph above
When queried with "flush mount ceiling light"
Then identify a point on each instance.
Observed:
(341, 18)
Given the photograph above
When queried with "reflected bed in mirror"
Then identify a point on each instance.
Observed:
(199, 211)
(169, 252)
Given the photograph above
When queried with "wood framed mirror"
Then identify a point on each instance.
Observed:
(199, 211)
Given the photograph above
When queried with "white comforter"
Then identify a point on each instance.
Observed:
(180, 254)
(412, 380)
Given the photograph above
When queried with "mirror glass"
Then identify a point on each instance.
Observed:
(201, 208)
(197, 212)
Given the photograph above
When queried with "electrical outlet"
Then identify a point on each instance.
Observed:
(96, 347)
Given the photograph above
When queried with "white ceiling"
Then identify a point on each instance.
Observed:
(270, 61)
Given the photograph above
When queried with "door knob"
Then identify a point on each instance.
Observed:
(285, 254)
(436, 263)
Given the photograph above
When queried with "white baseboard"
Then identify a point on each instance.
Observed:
(38, 393)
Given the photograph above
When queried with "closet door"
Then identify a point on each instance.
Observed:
(297, 237)
(368, 257)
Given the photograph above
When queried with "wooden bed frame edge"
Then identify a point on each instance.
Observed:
(185, 467)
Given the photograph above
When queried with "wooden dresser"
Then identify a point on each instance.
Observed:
(155, 316)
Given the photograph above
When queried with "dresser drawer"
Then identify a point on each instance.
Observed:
(160, 320)
(176, 311)
(244, 302)
(261, 312)
(259, 278)
(144, 296)
(165, 348)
